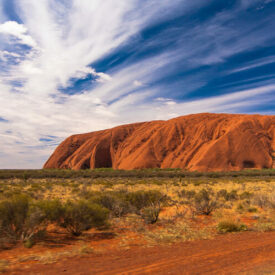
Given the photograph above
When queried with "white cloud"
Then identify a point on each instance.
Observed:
(138, 83)
(102, 77)
(253, 65)
(19, 31)
(6, 54)
(165, 101)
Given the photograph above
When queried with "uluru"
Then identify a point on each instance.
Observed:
(199, 142)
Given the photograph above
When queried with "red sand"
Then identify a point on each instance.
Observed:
(240, 253)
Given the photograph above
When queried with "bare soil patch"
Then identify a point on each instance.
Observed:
(239, 253)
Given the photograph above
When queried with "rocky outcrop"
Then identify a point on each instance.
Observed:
(202, 142)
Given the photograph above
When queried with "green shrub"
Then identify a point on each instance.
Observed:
(142, 199)
(261, 200)
(29, 243)
(204, 202)
(121, 203)
(222, 193)
(13, 213)
(197, 183)
(228, 196)
(116, 203)
(19, 219)
(150, 214)
(230, 226)
(252, 210)
(52, 209)
(140, 173)
(245, 195)
(188, 194)
(240, 208)
(83, 215)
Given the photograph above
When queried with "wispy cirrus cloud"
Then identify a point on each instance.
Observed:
(255, 64)
(77, 66)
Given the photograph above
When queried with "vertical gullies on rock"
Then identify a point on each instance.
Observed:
(202, 142)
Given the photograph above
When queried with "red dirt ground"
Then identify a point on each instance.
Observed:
(241, 253)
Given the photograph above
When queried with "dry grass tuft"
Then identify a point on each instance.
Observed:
(4, 264)
(180, 231)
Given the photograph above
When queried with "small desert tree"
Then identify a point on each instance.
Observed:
(142, 199)
(204, 202)
(147, 204)
(20, 219)
(83, 215)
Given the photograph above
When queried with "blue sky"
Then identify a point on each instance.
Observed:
(74, 66)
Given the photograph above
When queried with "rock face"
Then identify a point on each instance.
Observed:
(202, 142)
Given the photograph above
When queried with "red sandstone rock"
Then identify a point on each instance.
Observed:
(202, 142)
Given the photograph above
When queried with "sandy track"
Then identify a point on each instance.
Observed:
(242, 253)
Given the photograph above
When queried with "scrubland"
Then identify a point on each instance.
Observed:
(48, 215)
